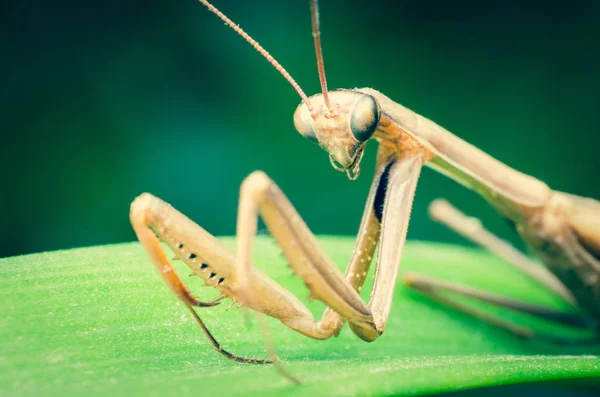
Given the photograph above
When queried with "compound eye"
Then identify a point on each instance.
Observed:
(304, 123)
(309, 134)
(365, 118)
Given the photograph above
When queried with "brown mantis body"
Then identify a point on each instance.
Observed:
(562, 230)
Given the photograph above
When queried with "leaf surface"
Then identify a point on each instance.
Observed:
(100, 320)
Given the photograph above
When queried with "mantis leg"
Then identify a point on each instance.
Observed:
(440, 291)
(155, 221)
(259, 195)
(389, 203)
(145, 215)
(432, 286)
(471, 228)
(393, 203)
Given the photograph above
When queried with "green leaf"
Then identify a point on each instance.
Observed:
(100, 320)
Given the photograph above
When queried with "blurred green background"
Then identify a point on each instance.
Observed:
(101, 101)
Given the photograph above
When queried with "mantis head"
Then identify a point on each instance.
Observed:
(342, 129)
(340, 121)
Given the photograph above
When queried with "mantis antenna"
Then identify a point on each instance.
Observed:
(314, 12)
(268, 56)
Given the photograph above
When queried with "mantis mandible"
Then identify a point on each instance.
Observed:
(562, 230)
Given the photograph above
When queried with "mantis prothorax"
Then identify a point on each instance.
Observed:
(562, 230)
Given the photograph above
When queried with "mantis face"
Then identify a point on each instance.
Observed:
(342, 130)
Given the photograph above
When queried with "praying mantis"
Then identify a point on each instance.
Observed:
(561, 230)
